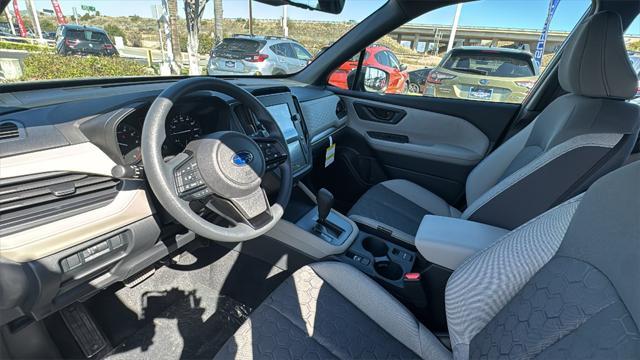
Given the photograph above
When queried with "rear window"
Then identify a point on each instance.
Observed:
(239, 46)
(87, 35)
(482, 63)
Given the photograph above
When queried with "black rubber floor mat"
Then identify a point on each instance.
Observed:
(84, 329)
(195, 327)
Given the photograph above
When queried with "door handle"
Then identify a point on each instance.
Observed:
(380, 114)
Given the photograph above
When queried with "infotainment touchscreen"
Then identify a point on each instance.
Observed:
(282, 115)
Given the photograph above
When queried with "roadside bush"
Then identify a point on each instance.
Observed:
(48, 66)
(23, 46)
(48, 25)
(205, 43)
(133, 39)
(113, 31)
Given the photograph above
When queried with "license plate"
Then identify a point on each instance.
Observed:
(480, 93)
(230, 64)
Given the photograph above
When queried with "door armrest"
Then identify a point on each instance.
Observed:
(448, 241)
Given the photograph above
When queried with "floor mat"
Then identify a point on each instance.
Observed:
(187, 309)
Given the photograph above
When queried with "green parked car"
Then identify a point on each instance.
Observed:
(483, 73)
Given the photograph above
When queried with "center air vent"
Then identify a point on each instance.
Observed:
(9, 130)
(341, 109)
(38, 199)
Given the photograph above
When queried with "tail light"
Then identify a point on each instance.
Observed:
(527, 84)
(436, 77)
(107, 46)
(256, 57)
(71, 42)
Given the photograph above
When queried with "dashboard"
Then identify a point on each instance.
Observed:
(72, 221)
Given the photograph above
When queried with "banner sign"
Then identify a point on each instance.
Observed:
(59, 14)
(16, 12)
(553, 5)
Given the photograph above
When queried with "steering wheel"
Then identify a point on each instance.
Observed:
(224, 169)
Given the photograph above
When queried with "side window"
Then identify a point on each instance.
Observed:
(382, 58)
(393, 60)
(301, 53)
(277, 49)
(632, 42)
(287, 50)
(496, 52)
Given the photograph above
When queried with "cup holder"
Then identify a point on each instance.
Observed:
(388, 270)
(375, 246)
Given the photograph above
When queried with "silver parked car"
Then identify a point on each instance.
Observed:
(257, 55)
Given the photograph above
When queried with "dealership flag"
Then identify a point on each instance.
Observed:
(59, 14)
(16, 12)
(553, 5)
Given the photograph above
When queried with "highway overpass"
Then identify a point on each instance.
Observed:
(429, 37)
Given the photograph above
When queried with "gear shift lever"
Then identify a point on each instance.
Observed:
(323, 227)
(325, 203)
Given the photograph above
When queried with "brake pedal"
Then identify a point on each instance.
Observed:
(84, 329)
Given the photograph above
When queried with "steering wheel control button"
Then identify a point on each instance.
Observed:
(188, 179)
(273, 155)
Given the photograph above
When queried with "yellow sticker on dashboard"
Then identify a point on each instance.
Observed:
(330, 154)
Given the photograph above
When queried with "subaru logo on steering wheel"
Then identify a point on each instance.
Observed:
(242, 158)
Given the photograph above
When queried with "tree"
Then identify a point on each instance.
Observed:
(193, 10)
(172, 8)
(218, 20)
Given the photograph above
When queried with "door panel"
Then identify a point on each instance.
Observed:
(430, 135)
(432, 142)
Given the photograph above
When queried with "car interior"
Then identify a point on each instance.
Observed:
(282, 217)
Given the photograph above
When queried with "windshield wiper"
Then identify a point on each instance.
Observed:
(472, 71)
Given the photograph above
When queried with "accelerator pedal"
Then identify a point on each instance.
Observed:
(84, 329)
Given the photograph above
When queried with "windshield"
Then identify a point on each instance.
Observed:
(70, 39)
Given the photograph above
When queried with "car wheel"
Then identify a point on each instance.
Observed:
(405, 88)
(414, 88)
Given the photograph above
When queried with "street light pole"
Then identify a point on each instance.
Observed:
(285, 25)
(454, 27)
(250, 18)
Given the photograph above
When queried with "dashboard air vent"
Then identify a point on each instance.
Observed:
(9, 130)
(341, 109)
(38, 199)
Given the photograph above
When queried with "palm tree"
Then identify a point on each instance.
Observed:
(218, 19)
(173, 23)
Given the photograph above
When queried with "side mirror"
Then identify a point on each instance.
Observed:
(372, 79)
(403, 67)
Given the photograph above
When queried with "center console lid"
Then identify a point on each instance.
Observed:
(448, 241)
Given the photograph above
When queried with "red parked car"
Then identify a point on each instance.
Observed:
(380, 57)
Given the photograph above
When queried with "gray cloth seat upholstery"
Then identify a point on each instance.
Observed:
(561, 286)
(578, 138)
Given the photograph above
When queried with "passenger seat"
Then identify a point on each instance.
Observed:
(578, 138)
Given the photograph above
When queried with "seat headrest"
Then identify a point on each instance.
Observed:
(595, 62)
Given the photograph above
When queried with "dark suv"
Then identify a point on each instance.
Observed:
(83, 40)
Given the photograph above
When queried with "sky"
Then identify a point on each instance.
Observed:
(488, 13)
